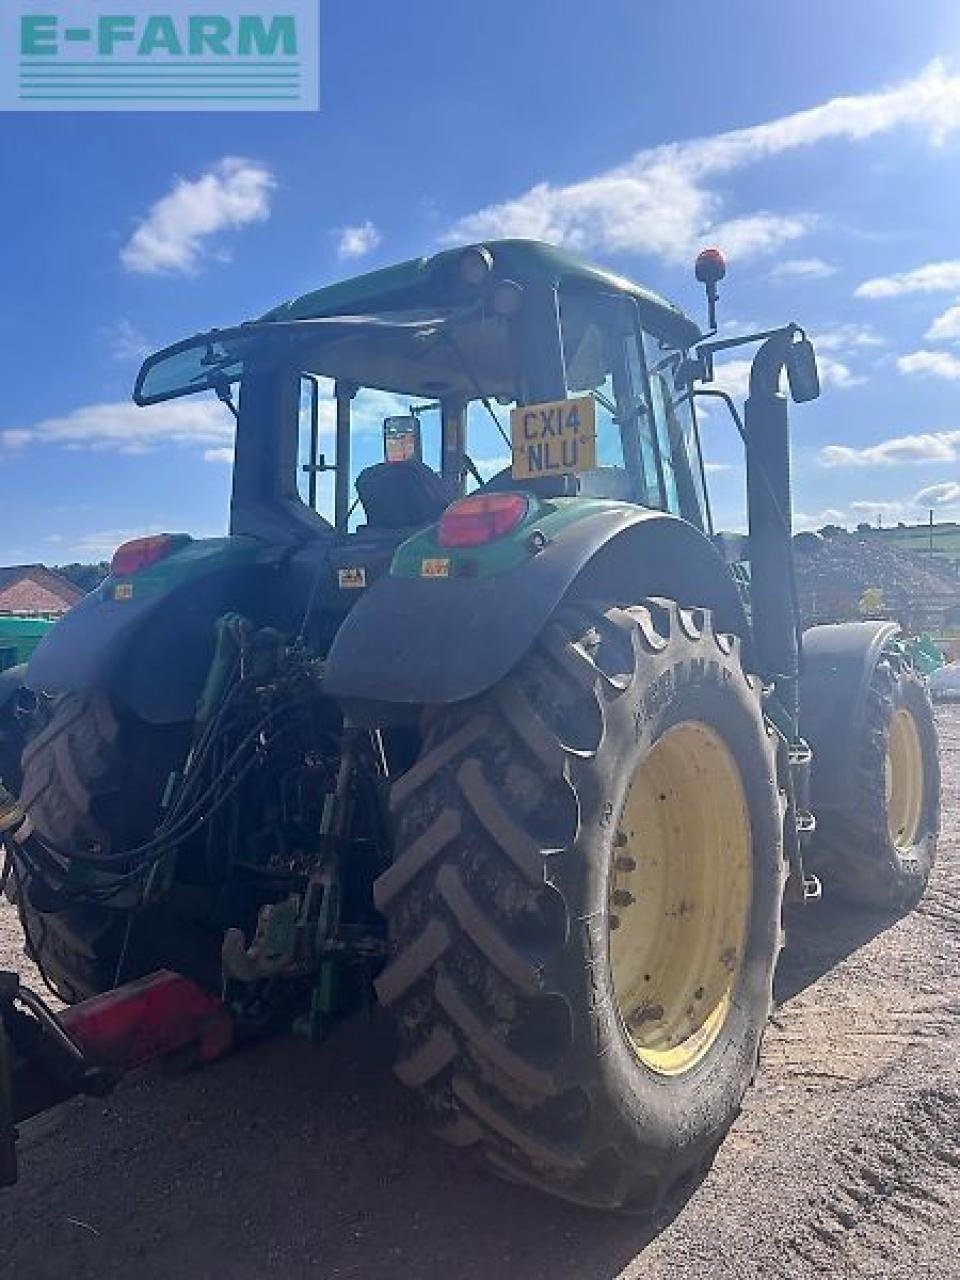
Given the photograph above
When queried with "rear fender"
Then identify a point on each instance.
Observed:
(837, 664)
(148, 639)
(415, 641)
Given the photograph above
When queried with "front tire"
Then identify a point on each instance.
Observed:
(584, 911)
(879, 850)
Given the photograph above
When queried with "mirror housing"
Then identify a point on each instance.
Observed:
(803, 376)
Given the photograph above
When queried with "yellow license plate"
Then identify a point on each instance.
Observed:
(557, 438)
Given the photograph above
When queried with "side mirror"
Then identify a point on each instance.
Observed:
(401, 439)
(802, 374)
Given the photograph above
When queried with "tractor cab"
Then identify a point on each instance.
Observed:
(366, 408)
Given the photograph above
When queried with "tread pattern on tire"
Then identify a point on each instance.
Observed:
(478, 920)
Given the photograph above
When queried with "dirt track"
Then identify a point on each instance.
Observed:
(292, 1161)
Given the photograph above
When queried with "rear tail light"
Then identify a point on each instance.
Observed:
(481, 518)
(142, 552)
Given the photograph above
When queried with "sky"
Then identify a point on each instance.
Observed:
(817, 144)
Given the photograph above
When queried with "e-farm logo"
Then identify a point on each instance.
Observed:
(184, 55)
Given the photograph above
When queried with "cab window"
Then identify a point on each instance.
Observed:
(596, 329)
(678, 443)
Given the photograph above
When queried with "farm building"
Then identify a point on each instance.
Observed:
(32, 590)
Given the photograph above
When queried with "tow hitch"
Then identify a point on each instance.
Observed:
(47, 1057)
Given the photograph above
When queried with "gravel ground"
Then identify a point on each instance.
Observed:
(291, 1161)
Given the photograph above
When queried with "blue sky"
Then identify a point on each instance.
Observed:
(819, 144)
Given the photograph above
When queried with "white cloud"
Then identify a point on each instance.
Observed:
(835, 373)
(802, 269)
(122, 427)
(888, 507)
(659, 202)
(101, 544)
(845, 338)
(934, 364)
(733, 376)
(126, 342)
(222, 454)
(939, 495)
(934, 277)
(945, 327)
(358, 241)
(173, 236)
(759, 233)
(933, 446)
(803, 522)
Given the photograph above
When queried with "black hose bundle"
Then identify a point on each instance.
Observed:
(193, 806)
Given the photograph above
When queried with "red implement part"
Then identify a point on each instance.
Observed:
(144, 1020)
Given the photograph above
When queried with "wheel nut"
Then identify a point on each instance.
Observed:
(625, 863)
(623, 898)
(614, 922)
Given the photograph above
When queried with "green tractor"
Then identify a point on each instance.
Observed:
(494, 724)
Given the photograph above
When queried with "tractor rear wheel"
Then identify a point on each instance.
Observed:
(584, 910)
(879, 850)
(92, 774)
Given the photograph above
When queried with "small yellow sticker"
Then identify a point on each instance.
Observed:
(123, 591)
(435, 568)
(556, 438)
(352, 579)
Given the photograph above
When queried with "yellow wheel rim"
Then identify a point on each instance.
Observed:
(681, 885)
(904, 777)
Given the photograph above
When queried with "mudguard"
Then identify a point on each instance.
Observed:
(429, 641)
(149, 638)
(837, 664)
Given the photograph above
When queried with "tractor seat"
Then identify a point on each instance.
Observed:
(402, 495)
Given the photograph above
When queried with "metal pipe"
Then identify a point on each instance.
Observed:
(770, 514)
(345, 391)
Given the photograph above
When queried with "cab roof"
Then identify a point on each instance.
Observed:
(436, 280)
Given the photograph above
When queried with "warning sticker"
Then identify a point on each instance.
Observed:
(435, 567)
(351, 579)
(554, 439)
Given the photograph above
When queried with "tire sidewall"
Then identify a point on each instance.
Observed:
(911, 865)
(697, 1107)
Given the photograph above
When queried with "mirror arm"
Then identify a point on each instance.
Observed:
(708, 349)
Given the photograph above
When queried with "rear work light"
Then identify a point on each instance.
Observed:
(481, 518)
(143, 552)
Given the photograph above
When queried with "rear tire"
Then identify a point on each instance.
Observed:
(91, 775)
(878, 852)
(513, 831)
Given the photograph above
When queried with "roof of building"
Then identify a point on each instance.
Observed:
(54, 582)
